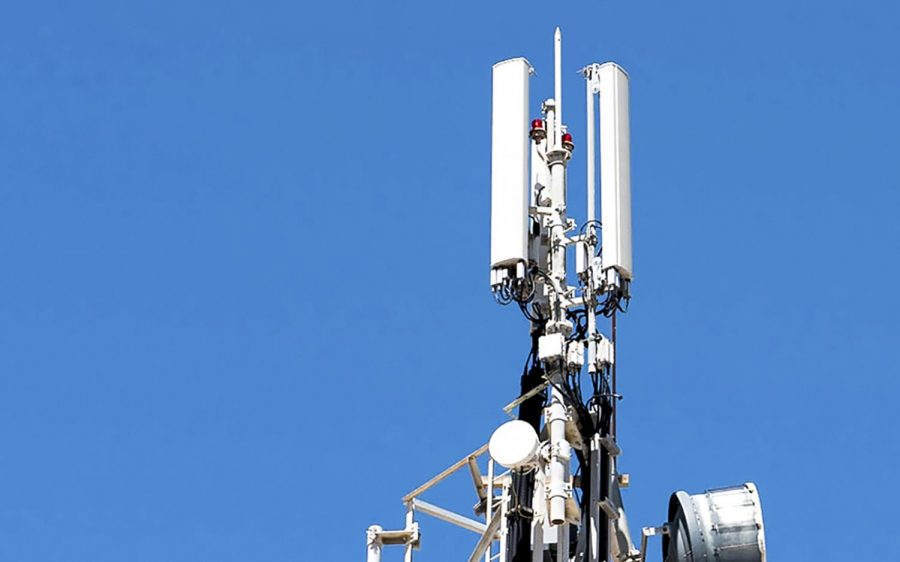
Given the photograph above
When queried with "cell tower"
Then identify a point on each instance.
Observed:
(540, 509)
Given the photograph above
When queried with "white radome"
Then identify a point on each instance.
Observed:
(514, 444)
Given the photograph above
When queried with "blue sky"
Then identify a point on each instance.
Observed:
(244, 253)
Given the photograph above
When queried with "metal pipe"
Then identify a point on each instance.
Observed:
(554, 129)
(557, 219)
(589, 139)
(562, 544)
(557, 86)
(483, 544)
(373, 544)
(504, 515)
(644, 537)
(559, 458)
(603, 523)
(444, 474)
(594, 506)
(557, 160)
(475, 472)
(591, 217)
(539, 505)
(449, 516)
(410, 526)
(489, 508)
(615, 387)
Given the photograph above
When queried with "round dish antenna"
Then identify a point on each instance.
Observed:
(514, 444)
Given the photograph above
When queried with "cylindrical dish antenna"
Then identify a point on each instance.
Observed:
(724, 525)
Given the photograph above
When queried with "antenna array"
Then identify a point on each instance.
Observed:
(539, 510)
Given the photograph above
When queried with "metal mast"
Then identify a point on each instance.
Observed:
(539, 509)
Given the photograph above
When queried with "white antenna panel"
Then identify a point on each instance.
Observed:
(509, 165)
(615, 170)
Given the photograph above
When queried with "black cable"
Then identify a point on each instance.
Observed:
(586, 223)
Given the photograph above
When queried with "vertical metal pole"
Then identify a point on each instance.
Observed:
(407, 557)
(557, 85)
(373, 544)
(489, 507)
(591, 217)
(537, 542)
(558, 469)
(557, 227)
(539, 505)
(615, 389)
(552, 123)
(594, 554)
(602, 472)
(562, 545)
(557, 161)
(591, 125)
(504, 512)
(559, 458)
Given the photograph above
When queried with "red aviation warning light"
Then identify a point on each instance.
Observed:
(538, 130)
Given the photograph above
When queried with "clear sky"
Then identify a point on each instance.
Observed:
(244, 267)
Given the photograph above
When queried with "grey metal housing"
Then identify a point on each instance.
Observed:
(721, 525)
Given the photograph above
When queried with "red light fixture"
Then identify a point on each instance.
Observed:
(538, 132)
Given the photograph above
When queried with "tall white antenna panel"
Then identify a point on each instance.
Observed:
(509, 168)
(615, 170)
